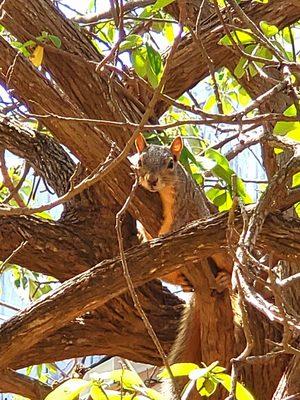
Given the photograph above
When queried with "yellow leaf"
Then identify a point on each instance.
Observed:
(37, 56)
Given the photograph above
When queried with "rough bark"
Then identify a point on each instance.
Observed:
(93, 288)
(104, 331)
(23, 385)
(88, 141)
(288, 388)
(85, 140)
(44, 153)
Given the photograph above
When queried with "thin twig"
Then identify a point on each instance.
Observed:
(7, 181)
(10, 257)
(133, 293)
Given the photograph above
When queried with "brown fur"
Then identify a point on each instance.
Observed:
(182, 201)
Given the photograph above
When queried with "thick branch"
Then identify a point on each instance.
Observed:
(150, 260)
(96, 146)
(47, 241)
(88, 335)
(43, 152)
(13, 382)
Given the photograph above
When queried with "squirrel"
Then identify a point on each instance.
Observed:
(158, 170)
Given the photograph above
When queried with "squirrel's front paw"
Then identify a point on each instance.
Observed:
(223, 281)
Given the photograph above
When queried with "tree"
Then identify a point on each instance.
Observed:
(62, 85)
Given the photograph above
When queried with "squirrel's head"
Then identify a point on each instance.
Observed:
(157, 165)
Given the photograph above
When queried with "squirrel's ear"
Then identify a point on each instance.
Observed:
(176, 147)
(140, 143)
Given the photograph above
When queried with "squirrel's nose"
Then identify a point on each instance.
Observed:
(152, 180)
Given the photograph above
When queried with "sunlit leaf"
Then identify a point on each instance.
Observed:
(139, 61)
(268, 30)
(37, 56)
(178, 369)
(240, 69)
(199, 372)
(296, 180)
(151, 393)
(286, 34)
(97, 393)
(68, 390)
(283, 127)
(208, 388)
(128, 379)
(237, 37)
(210, 103)
(131, 42)
(169, 31)
(241, 392)
(161, 3)
(223, 171)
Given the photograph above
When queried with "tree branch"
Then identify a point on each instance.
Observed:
(43, 152)
(150, 260)
(14, 382)
(88, 335)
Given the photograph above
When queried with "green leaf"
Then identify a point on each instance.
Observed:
(227, 106)
(199, 372)
(238, 37)
(29, 43)
(286, 34)
(179, 369)
(294, 134)
(268, 30)
(169, 31)
(210, 103)
(283, 127)
(241, 392)
(154, 58)
(161, 3)
(128, 379)
(205, 164)
(55, 40)
(218, 369)
(131, 42)
(296, 180)
(151, 394)
(208, 388)
(139, 61)
(240, 69)
(16, 44)
(68, 390)
(219, 158)
(152, 78)
(200, 383)
(243, 97)
(252, 70)
(262, 1)
(227, 203)
(221, 198)
(97, 393)
(223, 171)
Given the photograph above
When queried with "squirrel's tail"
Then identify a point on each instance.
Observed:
(198, 339)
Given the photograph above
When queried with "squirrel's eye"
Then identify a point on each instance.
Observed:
(170, 164)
